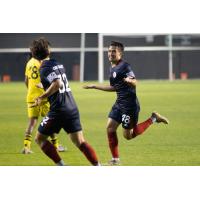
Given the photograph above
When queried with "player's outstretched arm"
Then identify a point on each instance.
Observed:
(107, 88)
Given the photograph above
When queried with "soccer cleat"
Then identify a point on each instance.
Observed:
(98, 164)
(26, 150)
(60, 148)
(114, 161)
(159, 118)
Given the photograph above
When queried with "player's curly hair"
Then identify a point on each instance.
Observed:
(117, 44)
(40, 48)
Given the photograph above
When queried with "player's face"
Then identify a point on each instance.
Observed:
(114, 54)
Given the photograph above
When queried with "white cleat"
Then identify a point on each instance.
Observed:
(61, 148)
(26, 150)
(114, 161)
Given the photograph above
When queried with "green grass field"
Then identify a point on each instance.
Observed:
(176, 144)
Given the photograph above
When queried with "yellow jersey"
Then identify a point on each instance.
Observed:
(33, 76)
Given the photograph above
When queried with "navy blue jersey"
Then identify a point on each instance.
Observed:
(62, 100)
(126, 95)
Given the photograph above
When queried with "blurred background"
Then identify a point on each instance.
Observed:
(84, 55)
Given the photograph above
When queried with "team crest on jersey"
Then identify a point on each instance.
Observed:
(114, 74)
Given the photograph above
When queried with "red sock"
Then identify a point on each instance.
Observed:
(49, 149)
(89, 153)
(113, 144)
(140, 128)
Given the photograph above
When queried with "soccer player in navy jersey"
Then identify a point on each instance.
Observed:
(63, 109)
(126, 108)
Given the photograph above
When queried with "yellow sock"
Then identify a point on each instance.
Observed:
(27, 141)
(54, 141)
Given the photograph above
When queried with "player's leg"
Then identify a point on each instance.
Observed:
(114, 119)
(28, 135)
(49, 125)
(78, 139)
(55, 142)
(134, 129)
(48, 148)
(131, 128)
(72, 125)
(140, 128)
(112, 126)
(130, 125)
(33, 114)
(44, 109)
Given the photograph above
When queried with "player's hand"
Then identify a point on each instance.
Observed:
(38, 102)
(89, 86)
(39, 85)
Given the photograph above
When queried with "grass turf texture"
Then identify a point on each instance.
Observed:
(176, 144)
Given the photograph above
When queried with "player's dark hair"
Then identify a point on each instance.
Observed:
(40, 48)
(117, 44)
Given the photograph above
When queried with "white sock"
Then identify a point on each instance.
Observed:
(153, 119)
(99, 164)
(115, 159)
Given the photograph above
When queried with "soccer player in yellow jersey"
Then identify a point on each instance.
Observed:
(32, 81)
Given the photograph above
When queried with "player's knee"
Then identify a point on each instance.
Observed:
(77, 138)
(127, 136)
(77, 143)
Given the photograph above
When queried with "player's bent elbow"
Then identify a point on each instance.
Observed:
(57, 85)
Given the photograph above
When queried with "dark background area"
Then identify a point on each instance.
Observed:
(145, 64)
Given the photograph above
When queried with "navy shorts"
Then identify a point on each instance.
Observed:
(128, 118)
(54, 121)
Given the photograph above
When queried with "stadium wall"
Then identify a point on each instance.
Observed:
(146, 65)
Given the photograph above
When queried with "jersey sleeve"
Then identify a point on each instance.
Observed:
(129, 72)
(48, 75)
